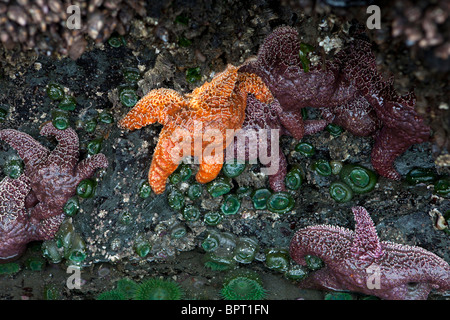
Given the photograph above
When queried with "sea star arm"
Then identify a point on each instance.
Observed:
(159, 105)
(14, 223)
(323, 279)
(29, 150)
(66, 152)
(43, 210)
(249, 83)
(209, 168)
(12, 196)
(163, 162)
(293, 122)
(402, 128)
(87, 167)
(314, 126)
(356, 116)
(366, 244)
(276, 181)
(47, 228)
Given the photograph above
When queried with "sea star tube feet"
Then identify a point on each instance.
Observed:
(359, 261)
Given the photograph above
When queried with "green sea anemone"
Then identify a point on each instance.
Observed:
(90, 125)
(111, 295)
(341, 192)
(305, 149)
(243, 285)
(233, 169)
(358, 178)
(68, 103)
(3, 113)
(158, 289)
(305, 49)
(60, 119)
(195, 191)
(193, 74)
(13, 168)
(334, 129)
(175, 199)
(127, 96)
(314, 263)
(280, 202)
(141, 246)
(182, 173)
(131, 75)
(420, 175)
(442, 187)
(294, 178)
(322, 167)
(259, 198)
(219, 186)
(94, 146)
(217, 263)
(55, 91)
(213, 218)
(178, 231)
(144, 190)
(71, 207)
(86, 188)
(9, 268)
(127, 287)
(277, 259)
(191, 213)
(230, 205)
(246, 249)
(105, 117)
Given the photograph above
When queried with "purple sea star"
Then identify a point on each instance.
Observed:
(258, 134)
(359, 261)
(52, 176)
(348, 89)
(15, 226)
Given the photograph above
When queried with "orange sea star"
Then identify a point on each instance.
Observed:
(205, 113)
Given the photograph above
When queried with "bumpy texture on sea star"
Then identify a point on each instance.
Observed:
(257, 138)
(15, 226)
(208, 111)
(52, 177)
(359, 261)
(348, 89)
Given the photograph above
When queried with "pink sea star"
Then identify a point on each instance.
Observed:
(349, 91)
(51, 178)
(356, 260)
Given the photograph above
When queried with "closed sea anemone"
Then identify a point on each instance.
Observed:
(243, 285)
(158, 289)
